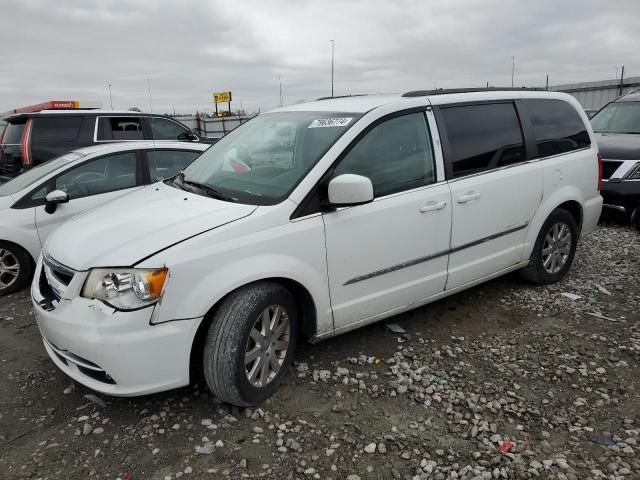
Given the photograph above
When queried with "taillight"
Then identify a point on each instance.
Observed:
(599, 171)
(25, 145)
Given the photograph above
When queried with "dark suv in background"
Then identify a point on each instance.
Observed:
(617, 129)
(30, 139)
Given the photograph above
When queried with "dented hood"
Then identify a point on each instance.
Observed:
(136, 226)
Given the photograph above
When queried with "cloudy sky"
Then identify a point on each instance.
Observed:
(72, 49)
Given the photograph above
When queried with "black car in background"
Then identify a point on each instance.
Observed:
(617, 129)
(30, 139)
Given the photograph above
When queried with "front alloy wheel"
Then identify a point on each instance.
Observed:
(9, 269)
(267, 346)
(16, 267)
(251, 343)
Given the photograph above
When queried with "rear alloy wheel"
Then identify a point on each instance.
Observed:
(554, 249)
(15, 268)
(251, 343)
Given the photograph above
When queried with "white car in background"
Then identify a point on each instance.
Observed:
(310, 221)
(38, 201)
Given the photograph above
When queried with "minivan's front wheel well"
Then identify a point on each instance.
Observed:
(306, 310)
(575, 210)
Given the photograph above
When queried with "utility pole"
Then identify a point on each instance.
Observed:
(513, 69)
(547, 85)
(332, 57)
(110, 97)
(280, 85)
(621, 79)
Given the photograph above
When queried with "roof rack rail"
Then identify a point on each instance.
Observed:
(343, 96)
(442, 91)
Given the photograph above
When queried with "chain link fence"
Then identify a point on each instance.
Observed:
(215, 127)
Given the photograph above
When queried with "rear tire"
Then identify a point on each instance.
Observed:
(251, 343)
(16, 268)
(554, 249)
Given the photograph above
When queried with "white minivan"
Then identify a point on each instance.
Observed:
(310, 221)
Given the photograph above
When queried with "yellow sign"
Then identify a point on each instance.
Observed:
(222, 97)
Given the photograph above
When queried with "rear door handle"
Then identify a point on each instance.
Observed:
(468, 197)
(431, 206)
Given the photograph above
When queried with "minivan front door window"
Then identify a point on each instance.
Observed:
(262, 161)
(395, 155)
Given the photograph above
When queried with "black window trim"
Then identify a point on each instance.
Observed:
(26, 202)
(311, 203)
(146, 170)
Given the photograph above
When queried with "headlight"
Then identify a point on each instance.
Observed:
(635, 175)
(126, 288)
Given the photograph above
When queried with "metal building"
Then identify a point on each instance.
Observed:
(597, 94)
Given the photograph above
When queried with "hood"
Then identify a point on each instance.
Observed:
(6, 202)
(619, 146)
(133, 227)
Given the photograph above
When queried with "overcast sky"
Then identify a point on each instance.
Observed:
(72, 49)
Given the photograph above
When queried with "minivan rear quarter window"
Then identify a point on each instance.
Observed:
(56, 129)
(482, 137)
(557, 127)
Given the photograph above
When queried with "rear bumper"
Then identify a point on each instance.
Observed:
(591, 214)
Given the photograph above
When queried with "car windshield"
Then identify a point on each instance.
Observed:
(262, 161)
(32, 175)
(618, 117)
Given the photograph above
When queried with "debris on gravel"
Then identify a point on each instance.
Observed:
(504, 381)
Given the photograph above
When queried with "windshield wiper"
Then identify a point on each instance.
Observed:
(212, 192)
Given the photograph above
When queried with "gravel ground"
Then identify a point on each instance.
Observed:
(505, 380)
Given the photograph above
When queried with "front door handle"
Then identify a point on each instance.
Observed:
(431, 206)
(468, 197)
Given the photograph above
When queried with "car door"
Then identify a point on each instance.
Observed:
(88, 185)
(166, 163)
(391, 252)
(495, 188)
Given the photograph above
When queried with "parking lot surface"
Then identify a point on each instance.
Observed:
(506, 380)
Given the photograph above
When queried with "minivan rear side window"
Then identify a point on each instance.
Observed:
(119, 128)
(56, 129)
(482, 137)
(557, 127)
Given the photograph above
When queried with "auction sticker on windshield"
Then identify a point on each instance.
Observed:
(330, 122)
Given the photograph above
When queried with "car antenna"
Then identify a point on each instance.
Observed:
(153, 137)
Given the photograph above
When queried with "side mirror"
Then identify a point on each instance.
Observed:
(187, 136)
(348, 189)
(53, 199)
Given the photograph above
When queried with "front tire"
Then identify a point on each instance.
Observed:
(16, 268)
(554, 249)
(251, 343)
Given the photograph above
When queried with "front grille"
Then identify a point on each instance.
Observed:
(609, 167)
